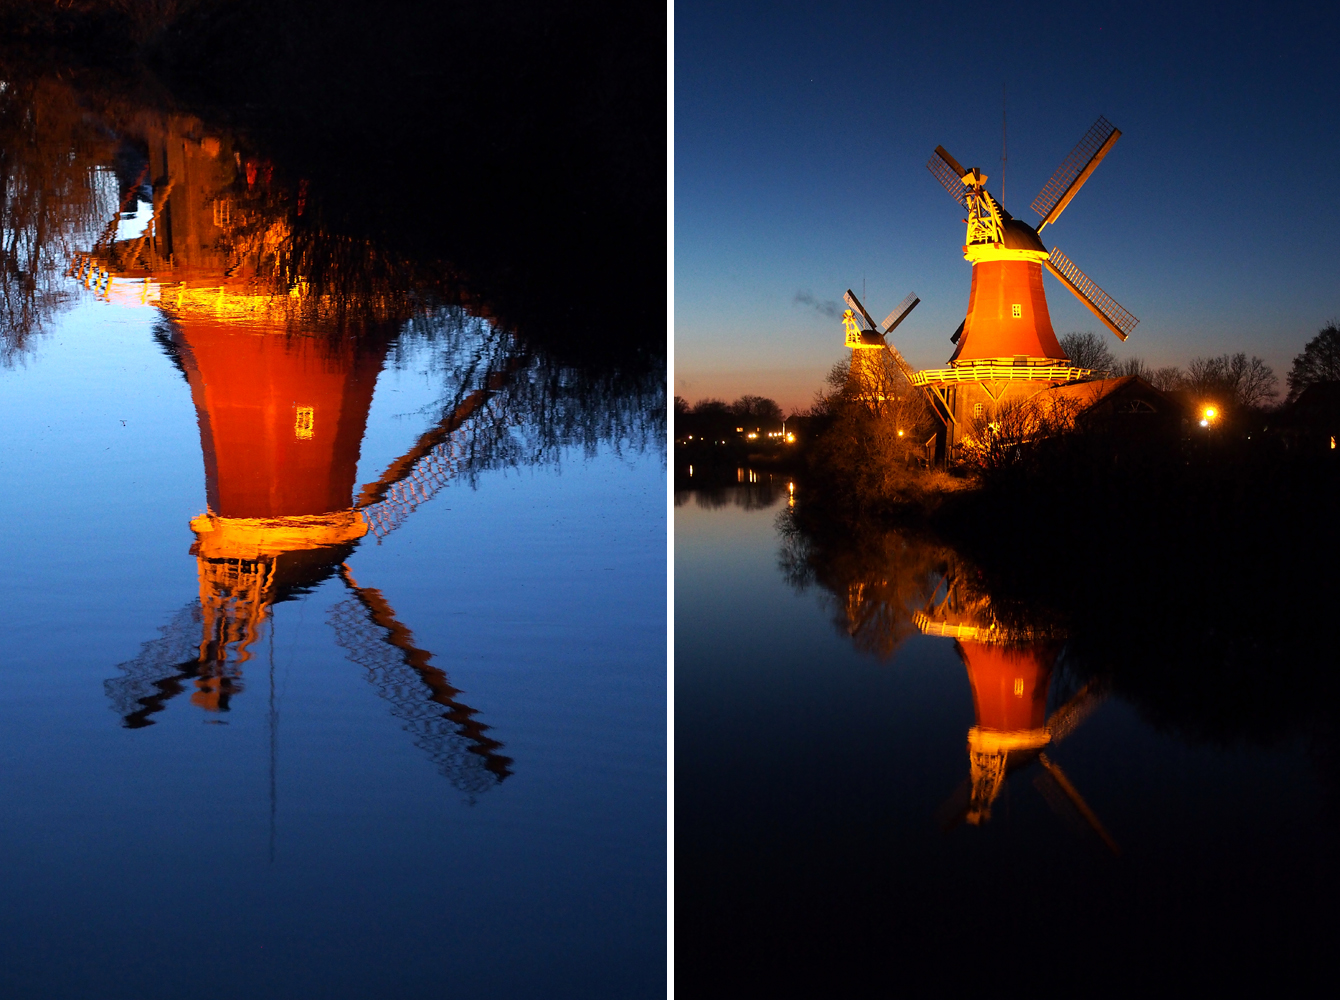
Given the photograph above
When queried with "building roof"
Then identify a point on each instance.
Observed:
(1130, 393)
(1089, 394)
(1022, 236)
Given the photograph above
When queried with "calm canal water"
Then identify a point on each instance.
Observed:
(885, 775)
(334, 613)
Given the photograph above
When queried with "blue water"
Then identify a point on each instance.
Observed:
(811, 783)
(301, 844)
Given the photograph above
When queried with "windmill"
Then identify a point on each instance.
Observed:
(864, 333)
(1010, 670)
(1006, 342)
(866, 338)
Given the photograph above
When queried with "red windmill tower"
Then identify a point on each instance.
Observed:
(1006, 344)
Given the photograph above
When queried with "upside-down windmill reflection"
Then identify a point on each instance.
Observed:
(887, 587)
(1010, 668)
(282, 390)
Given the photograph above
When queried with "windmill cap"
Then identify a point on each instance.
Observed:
(1022, 236)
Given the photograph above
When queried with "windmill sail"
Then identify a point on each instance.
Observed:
(1102, 305)
(855, 303)
(1075, 170)
(948, 172)
(900, 312)
(1059, 781)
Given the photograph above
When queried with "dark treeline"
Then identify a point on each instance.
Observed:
(522, 147)
(49, 151)
(715, 437)
(72, 157)
(542, 407)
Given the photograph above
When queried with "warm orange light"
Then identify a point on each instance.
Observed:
(900, 433)
(791, 438)
(751, 435)
(1210, 413)
(303, 423)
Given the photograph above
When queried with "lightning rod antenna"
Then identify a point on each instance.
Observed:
(274, 726)
(1004, 144)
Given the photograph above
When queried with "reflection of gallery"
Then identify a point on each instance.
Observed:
(893, 586)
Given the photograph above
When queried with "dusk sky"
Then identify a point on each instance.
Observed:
(802, 133)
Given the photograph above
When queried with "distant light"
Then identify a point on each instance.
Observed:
(1209, 415)
(1205, 423)
(790, 439)
(1332, 442)
(690, 470)
(900, 433)
(751, 435)
(739, 430)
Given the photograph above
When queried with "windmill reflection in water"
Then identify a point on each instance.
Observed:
(1010, 670)
(893, 587)
(279, 478)
(281, 333)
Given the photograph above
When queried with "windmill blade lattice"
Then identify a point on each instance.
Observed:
(947, 171)
(443, 453)
(900, 312)
(850, 298)
(1074, 170)
(1066, 719)
(426, 478)
(160, 672)
(419, 694)
(1102, 305)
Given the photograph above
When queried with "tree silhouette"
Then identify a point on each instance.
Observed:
(1319, 362)
(1231, 379)
(1088, 350)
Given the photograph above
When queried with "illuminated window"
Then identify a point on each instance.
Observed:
(978, 409)
(1018, 687)
(223, 210)
(1016, 310)
(302, 426)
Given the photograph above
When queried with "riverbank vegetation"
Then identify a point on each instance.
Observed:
(1228, 519)
(522, 147)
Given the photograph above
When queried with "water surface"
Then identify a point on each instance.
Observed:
(334, 606)
(886, 772)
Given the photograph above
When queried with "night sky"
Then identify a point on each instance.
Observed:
(802, 133)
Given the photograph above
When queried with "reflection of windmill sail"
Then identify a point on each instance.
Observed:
(418, 475)
(163, 668)
(420, 694)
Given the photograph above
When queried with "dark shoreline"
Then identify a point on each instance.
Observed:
(522, 150)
